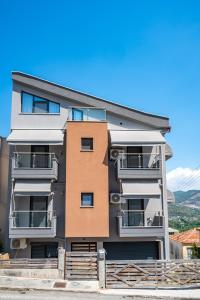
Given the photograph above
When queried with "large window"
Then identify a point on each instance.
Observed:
(34, 104)
(87, 199)
(42, 250)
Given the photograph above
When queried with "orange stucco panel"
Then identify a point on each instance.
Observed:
(87, 172)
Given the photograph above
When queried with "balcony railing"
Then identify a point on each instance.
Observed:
(139, 161)
(32, 219)
(33, 160)
(32, 224)
(139, 166)
(142, 218)
(87, 114)
(34, 165)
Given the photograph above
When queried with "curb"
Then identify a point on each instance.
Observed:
(16, 288)
(102, 292)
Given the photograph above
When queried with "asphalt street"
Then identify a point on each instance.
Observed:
(42, 295)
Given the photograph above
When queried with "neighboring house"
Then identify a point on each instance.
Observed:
(172, 231)
(86, 173)
(4, 168)
(181, 244)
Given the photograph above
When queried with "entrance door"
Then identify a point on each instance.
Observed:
(135, 212)
(41, 159)
(38, 211)
(134, 157)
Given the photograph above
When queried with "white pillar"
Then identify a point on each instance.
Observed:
(102, 268)
(61, 262)
(164, 202)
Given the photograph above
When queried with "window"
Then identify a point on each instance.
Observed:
(87, 144)
(189, 252)
(87, 199)
(41, 250)
(27, 103)
(40, 105)
(77, 114)
(34, 104)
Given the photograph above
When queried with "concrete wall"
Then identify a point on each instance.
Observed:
(87, 172)
(58, 121)
(31, 273)
(4, 170)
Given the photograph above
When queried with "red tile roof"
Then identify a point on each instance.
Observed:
(187, 237)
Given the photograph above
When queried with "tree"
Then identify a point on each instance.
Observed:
(195, 251)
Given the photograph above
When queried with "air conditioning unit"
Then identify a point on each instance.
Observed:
(114, 153)
(115, 198)
(18, 244)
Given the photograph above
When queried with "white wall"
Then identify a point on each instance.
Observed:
(58, 121)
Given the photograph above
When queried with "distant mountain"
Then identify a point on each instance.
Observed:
(189, 198)
(184, 214)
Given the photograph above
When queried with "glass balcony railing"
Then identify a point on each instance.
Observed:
(139, 161)
(32, 219)
(87, 114)
(141, 218)
(27, 160)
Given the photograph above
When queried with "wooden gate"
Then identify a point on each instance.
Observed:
(149, 274)
(81, 266)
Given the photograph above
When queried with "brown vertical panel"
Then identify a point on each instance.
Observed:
(87, 171)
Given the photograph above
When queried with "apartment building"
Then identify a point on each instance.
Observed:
(86, 174)
(4, 165)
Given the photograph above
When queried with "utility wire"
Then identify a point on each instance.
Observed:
(195, 174)
(180, 183)
(190, 181)
(185, 181)
(189, 184)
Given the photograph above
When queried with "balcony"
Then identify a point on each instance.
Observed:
(26, 165)
(32, 224)
(139, 166)
(87, 114)
(140, 223)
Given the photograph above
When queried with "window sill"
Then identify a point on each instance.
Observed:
(88, 206)
(46, 114)
(86, 150)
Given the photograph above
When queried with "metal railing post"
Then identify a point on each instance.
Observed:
(33, 163)
(140, 165)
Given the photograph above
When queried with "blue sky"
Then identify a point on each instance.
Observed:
(144, 54)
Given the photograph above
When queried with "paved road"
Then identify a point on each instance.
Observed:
(38, 295)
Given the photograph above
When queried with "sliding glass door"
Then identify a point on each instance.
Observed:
(38, 211)
(134, 212)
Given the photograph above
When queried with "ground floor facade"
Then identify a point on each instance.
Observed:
(121, 249)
